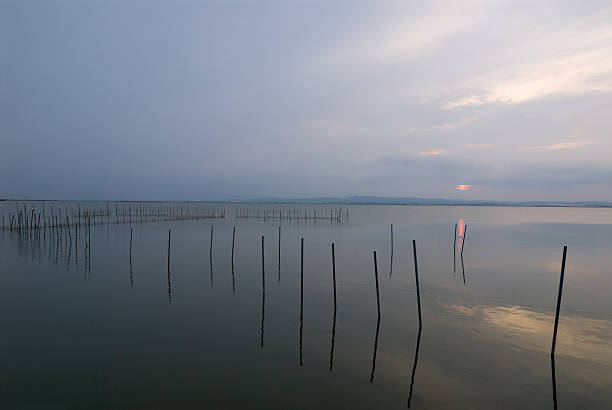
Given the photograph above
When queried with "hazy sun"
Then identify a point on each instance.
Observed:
(463, 187)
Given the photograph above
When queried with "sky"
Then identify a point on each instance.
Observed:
(207, 100)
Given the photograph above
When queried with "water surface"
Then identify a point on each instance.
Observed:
(91, 328)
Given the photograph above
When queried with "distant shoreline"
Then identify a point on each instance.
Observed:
(356, 201)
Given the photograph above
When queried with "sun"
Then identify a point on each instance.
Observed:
(463, 187)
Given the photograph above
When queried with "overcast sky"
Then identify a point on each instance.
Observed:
(506, 100)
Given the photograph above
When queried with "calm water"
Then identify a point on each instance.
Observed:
(99, 332)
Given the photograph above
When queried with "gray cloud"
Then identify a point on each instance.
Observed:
(192, 100)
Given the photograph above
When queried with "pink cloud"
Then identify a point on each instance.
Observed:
(434, 152)
(561, 145)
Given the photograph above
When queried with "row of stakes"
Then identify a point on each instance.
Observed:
(418, 297)
(557, 312)
(24, 220)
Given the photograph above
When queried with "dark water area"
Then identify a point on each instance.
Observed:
(95, 327)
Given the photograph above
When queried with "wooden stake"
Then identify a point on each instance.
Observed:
(416, 276)
(131, 275)
(211, 242)
(263, 276)
(391, 264)
(169, 285)
(377, 321)
(233, 241)
(301, 297)
(333, 338)
(463, 239)
(334, 273)
(554, 340)
(376, 277)
(263, 291)
(455, 250)
(168, 251)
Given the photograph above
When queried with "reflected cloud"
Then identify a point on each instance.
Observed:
(579, 337)
(579, 271)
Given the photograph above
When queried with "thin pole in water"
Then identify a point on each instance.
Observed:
(463, 240)
(377, 321)
(463, 246)
(211, 241)
(210, 256)
(301, 297)
(376, 278)
(169, 285)
(89, 245)
(391, 265)
(414, 365)
(333, 339)
(554, 380)
(168, 250)
(554, 340)
(263, 291)
(263, 276)
(279, 252)
(233, 277)
(233, 241)
(375, 350)
(416, 276)
(334, 272)
(131, 275)
(455, 250)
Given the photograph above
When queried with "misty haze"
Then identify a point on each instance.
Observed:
(305, 204)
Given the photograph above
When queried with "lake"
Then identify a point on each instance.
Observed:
(89, 324)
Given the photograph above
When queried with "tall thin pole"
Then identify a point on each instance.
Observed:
(211, 241)
(416, 276)
(168, 251)
(554, 340)
(210, 256)
(333, 338)
(169, 285)
(89, 244)
(455, 250)
(554, 380)
(376, 277)
(334, 272)
(233, 277)
(301, 298)
(302, 276)
(377, 321)
(414, 365)
(263, 276)
(279, 252)
(391, 265)
(463, 240)
(263, 291)
(233, 241)
(131, 274)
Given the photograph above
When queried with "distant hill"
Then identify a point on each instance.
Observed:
(380, 200)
